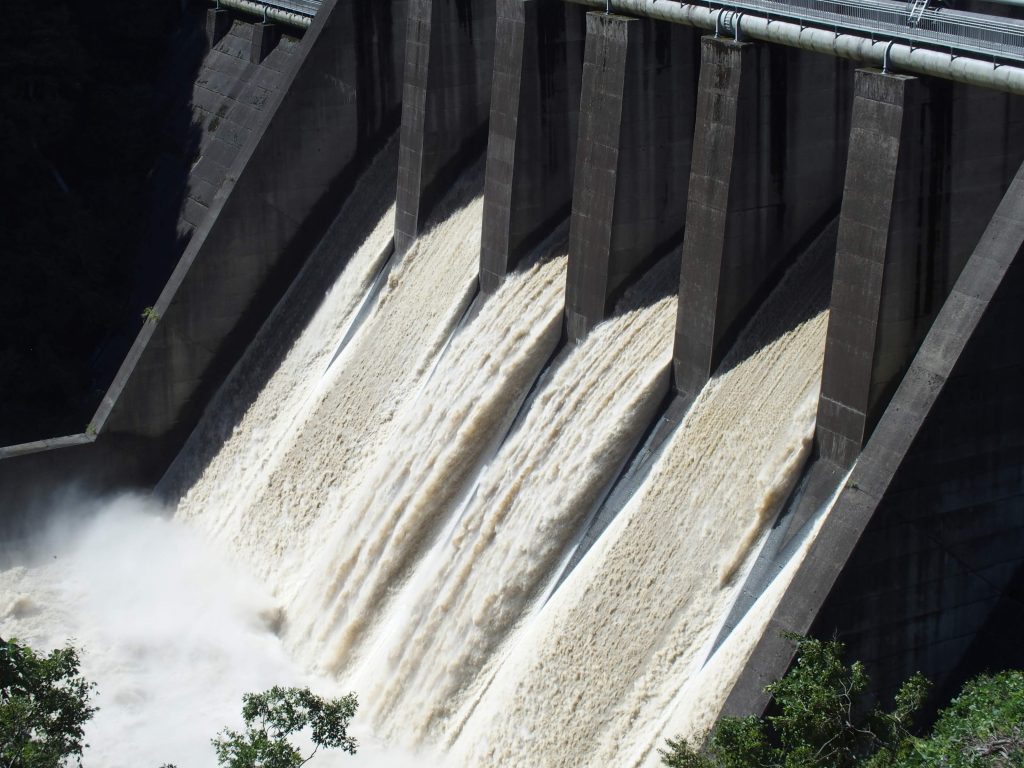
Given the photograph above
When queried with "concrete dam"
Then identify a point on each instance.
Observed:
(542, 364)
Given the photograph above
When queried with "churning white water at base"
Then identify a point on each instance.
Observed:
(170, 630)
(590, 680)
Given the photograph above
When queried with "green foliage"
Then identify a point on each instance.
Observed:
(273, 716)
(820, 721)
(44, 704)
(150, 315)
(983, 726)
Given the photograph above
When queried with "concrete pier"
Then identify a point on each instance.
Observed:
(531, 147)
(632, 159)
(887, 281)
(218, 22)
(264, 38)
(766, 175)
(445, 103)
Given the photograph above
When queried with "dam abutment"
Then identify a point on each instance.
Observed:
(307, 145)
(534, 120)
(446, 91)
(766, 176)
(632, 158)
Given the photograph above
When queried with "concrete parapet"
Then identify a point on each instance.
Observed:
(765, 178)
(632, 157)
(531, 147)
(445, 103)
(923, 538)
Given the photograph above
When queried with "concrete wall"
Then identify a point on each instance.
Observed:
(925, 533)
(338, 102)
(445, 103)
(632, 157)
(766, 176)
(531, 145)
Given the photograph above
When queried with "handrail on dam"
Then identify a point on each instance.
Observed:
(941, 43)
(917, 23)
(292, 13)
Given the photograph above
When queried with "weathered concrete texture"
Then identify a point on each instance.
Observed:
(926, 532)
(445, 103)
(531, 147)
(766, 176)
(338, 101)
(231, 92)
(927, 164)
(632, 157)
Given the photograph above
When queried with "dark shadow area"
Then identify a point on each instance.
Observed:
(176, 139)
(81, 88)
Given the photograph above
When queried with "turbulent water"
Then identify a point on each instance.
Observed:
(597, 671)
(405, 478)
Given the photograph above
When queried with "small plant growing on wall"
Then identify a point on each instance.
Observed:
(150, 315)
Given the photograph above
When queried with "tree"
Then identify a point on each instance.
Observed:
(273, 716)
(820, 721)
(983, 726)
(44, 704)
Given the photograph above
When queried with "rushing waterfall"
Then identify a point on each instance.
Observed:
(529, 503)
(389, 516)
(406, 474)
(599, 667)
(347, 416)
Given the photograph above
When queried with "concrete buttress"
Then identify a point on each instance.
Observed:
(632, 158)
(445, 103)
(535, 99)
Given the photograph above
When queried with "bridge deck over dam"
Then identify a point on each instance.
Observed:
(733, 152)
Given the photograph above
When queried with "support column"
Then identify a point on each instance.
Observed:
(632, 159)
(890, 276)
(765, 179)
(264, 38)
(218, 22)
(535, 100)
(445, 101)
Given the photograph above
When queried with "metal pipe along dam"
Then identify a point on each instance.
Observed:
(534, 368)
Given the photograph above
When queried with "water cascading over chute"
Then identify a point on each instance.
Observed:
(407, 478)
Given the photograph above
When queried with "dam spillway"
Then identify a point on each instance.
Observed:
(507, 539)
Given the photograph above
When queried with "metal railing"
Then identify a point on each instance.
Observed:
(957, 32)
(292, 13)
(304, 7)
